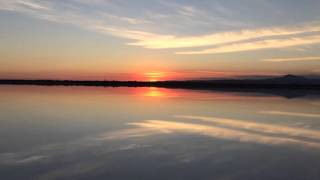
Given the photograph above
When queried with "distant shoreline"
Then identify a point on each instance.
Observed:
(196, 84)
(287, 86)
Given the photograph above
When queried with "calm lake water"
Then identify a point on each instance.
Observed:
(154, 133)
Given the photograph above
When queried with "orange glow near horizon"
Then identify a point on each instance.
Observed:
(154, 92)
(154, 76)
(133, 75)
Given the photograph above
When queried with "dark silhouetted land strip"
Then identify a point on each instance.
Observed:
(284, 82)
(289, 85)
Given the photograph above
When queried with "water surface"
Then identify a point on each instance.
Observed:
(155, 133)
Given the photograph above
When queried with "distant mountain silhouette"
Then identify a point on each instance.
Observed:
(291, 80)
(292, 77)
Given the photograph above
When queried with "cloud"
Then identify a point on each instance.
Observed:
(258, 45)
(129, 133)
(256, 127)
(47, 153)
(277, 136)
(223, 38)
(96, 21)
(227, 42)
(296, 114)
(187, 11)
(129, 20)
(32, 5)
(127, 33)
(24, 5)
(315, 58)
(17, 158)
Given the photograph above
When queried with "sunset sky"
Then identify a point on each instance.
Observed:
(158, 39)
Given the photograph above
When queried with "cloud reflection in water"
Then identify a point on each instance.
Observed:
(238, 130)
(294, 114)
(219, 128)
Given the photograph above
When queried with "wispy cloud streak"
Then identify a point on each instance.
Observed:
(259, 127)
(258, 45)
(222, 38)
(228, 133)
(296, 114)
(32, 5)
(24, 5)
(315, 58)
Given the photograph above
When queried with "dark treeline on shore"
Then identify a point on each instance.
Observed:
(284, 82)
(288, 86)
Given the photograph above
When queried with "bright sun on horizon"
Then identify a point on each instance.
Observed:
(155, 76)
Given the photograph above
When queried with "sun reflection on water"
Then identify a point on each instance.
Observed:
(155, 92)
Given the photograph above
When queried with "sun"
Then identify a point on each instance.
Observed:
(154, 76)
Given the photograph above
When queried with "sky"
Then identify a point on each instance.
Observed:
(158, 39)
